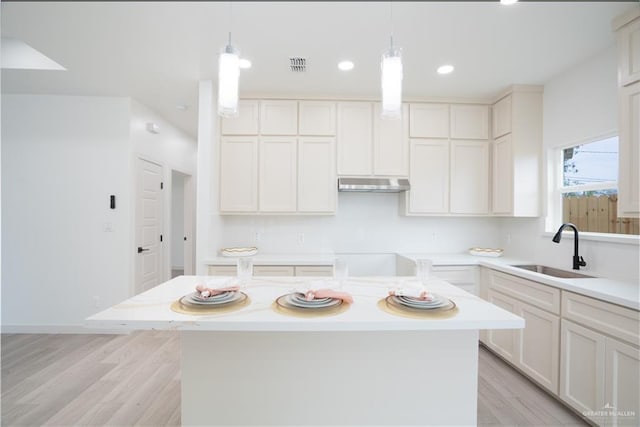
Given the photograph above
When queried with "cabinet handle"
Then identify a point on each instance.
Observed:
(141, 250)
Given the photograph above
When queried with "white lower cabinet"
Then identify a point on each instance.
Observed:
(535, 350)
(622, 382)
(314, 270)
(273, 270)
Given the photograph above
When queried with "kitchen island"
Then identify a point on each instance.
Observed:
(363, 366)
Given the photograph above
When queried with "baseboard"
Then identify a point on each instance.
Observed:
(58, 329)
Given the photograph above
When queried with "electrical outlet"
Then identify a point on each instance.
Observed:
(508, 238)
(300, 239)
(434, 237)
(257, 236)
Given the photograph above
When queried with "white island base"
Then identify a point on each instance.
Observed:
(363, 366)
(328, 378)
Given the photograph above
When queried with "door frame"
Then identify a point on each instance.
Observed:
(189, 222)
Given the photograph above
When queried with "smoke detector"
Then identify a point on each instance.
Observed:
(298, 64)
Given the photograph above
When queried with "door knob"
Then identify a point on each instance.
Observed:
(141, 250)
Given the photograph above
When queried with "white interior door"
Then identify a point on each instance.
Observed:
(189, 222)
(148, 224)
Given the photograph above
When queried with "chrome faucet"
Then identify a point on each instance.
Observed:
(578, 261)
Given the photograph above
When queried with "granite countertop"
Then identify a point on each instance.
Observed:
(151, 310)
(626, 294)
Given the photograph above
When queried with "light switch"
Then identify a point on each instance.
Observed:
(107, 227)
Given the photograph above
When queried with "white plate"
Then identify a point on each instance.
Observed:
(227, 297)
(299, 297)
(436, 302)
(302, 303)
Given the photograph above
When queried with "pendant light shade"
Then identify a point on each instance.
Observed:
(228, 76)
(391, 83)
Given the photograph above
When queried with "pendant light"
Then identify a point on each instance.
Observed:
(391, 70)
(228, 76)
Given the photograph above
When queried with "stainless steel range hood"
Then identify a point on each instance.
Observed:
(374, 185)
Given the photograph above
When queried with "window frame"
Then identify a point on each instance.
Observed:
(555, 190)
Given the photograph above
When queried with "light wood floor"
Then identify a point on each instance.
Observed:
(124, 380)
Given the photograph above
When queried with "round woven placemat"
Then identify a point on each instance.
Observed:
(386, 305)
(180, 307)
(279, 306)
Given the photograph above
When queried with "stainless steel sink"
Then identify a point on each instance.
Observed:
(550, 271)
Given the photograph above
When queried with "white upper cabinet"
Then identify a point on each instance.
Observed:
(390, 144)
(629, 146)
(317, 118)
(247, 121)
(239, 174)
(469, 121)
(278, 174)
(517, 159)
(317, 174)
(502, 117)
(628, 35)
(429, 120)
(429, 176)
(355, 138)
(469, 177)
(502, 176)
(278, 117)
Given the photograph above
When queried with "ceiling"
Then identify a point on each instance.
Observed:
(156, 52)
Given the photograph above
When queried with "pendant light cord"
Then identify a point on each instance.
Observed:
(391, 21)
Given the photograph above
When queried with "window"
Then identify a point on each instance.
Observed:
(588, 189)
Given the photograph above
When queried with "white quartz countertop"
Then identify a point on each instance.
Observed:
(151, 309)
(626, 294)
(278, 259)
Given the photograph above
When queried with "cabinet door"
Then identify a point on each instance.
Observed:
(239, 174)
(503, 341)
(469, 177)
(429, 120)
(469, 121)
(502, 175)
(317, 118)
(539, 351)
(429, 176)
(628, 48)
(314, 270)
(355, 131)
(629, 146)
(622, 388)
(273, 270)
(502, 117)
(222, 270)
(278, 117)
(582, 356)
(278, 174)
(247, 121)
(391, 144)
(317, 174)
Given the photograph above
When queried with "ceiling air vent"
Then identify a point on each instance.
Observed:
(298, 64)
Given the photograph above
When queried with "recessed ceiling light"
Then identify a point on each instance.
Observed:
(508, 2)
(244, 63)
(445, 69)
(345, 65)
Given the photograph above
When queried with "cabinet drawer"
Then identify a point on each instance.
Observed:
(619, 322)
(314, 270)
(222, 270)
(456, 275)
(273, 270)
(536, 294)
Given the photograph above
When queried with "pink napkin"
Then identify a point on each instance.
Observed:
(209, 292)
(328, 293)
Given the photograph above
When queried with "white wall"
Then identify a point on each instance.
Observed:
(70, 254)
(579, 103)
(174, 150)
(62, 158)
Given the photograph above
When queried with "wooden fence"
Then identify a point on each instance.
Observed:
(598, 214)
